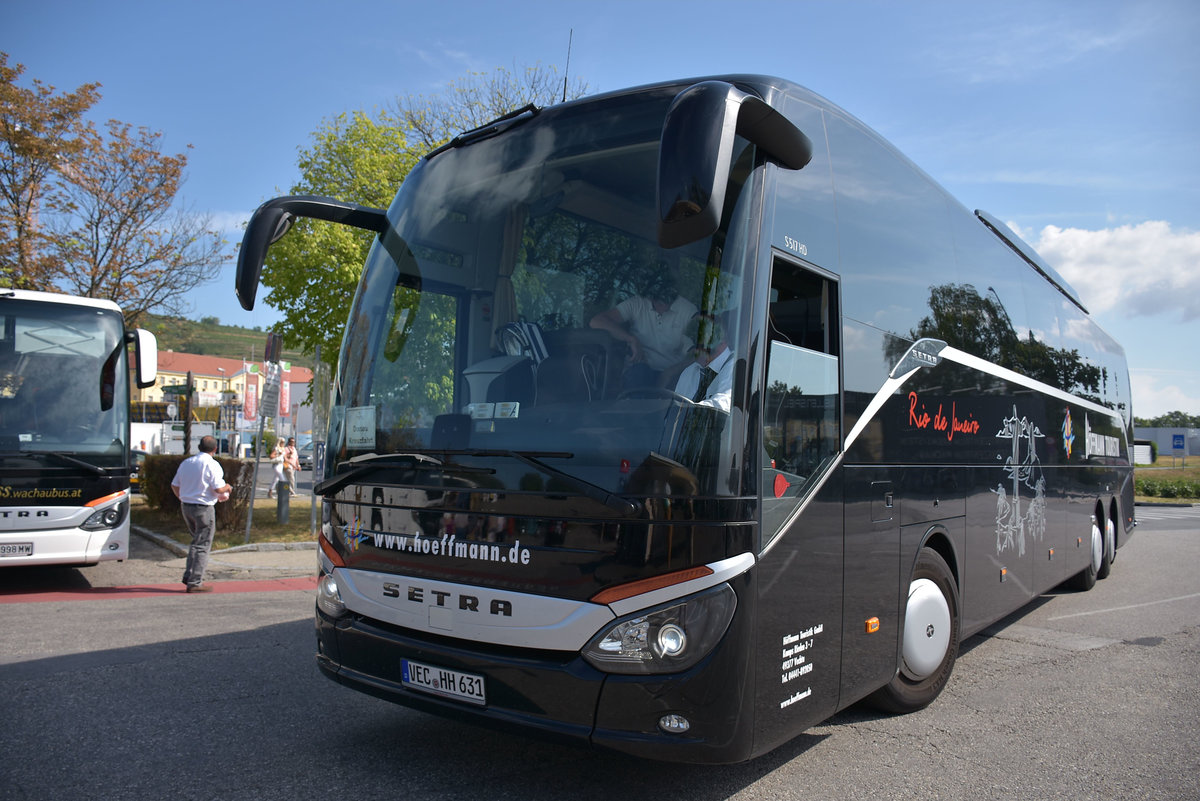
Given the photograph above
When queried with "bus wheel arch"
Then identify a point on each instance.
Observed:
(930, 635)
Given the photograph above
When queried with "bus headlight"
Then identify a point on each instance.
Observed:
(329, 598)
(667, 639)
(108, 517)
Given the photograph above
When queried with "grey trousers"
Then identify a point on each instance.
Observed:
(201, 522)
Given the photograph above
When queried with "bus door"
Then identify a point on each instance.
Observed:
(800, 569)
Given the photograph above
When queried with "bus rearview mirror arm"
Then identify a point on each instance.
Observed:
(696, 150)
(273, 219)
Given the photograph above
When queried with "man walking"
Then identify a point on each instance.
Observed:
(198, 484)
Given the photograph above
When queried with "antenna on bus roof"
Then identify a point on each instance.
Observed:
(567, 69)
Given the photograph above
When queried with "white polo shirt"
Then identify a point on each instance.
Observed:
(198, 478)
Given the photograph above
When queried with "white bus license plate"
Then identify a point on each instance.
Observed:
(16, 549)
(440, 681)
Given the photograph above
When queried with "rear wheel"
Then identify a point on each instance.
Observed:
(930, 638)
(1109, 550)
(1085, 579)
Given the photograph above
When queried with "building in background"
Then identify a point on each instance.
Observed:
(227, 392)
(1181, 442)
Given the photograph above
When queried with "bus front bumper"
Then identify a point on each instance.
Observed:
(554, 694)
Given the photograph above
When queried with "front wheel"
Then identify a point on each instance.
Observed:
(930, 638)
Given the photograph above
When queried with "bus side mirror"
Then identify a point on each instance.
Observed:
(696, 150)
(145, 358)
(273, 219)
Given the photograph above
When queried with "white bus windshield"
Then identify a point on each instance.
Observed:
(63, 383)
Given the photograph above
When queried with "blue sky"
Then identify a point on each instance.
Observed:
(1076, 122)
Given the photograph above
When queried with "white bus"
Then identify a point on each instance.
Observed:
(65, 454)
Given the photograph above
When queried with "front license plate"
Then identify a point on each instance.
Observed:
(441, 681)
(16, 549)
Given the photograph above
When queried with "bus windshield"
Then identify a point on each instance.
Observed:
(63, 382)
(520, 312)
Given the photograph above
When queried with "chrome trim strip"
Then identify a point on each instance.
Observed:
(475, 613)
(469, 612)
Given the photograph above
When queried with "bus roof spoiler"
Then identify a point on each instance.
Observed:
(273, 219)
(696, 151)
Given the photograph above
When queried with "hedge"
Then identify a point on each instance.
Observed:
(159, 470)
(1178, 488)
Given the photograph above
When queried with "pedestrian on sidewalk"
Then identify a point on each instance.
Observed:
(291, 463)
(199, 484)
(277, 465)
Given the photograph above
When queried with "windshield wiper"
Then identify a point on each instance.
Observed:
(489, 129)
(67, 458)
(532, 458)
(365, 466)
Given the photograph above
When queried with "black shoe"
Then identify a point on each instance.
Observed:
(199, 588)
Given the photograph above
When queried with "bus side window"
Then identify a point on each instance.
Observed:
(801, 421)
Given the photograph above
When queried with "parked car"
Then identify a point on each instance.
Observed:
(135, 481)
(305, 452)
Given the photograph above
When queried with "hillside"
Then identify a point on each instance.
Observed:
(212, 339)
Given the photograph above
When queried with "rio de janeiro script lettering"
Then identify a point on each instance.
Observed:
(919, 417)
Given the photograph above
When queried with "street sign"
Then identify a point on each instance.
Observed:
(270, 396)
(1177, 442)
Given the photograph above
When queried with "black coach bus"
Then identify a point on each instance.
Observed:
(916, 427)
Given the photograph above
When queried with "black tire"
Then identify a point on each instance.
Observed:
(1085, 579)
(1109, 550)
(927, 659)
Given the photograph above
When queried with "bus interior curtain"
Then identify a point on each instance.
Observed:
(505, 303)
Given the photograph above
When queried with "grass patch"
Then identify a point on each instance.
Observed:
(263, 525)
(1165, 482)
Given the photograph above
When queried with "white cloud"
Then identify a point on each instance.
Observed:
(998, 52)
(229, 223)
(1156, 392)
(1133, 270)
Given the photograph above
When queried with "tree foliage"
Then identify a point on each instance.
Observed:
(480, 97)
(119, 234)
(1176, 419)
(94, 213)
(38, 128)
(312, 273)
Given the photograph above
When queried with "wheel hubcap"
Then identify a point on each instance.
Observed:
(926, 629)
(1097, 547)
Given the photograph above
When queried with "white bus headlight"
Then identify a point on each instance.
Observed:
(667, 639)
(108, 517)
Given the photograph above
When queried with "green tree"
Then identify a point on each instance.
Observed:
(312, 273)
(39, 129)
(1176, 419)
